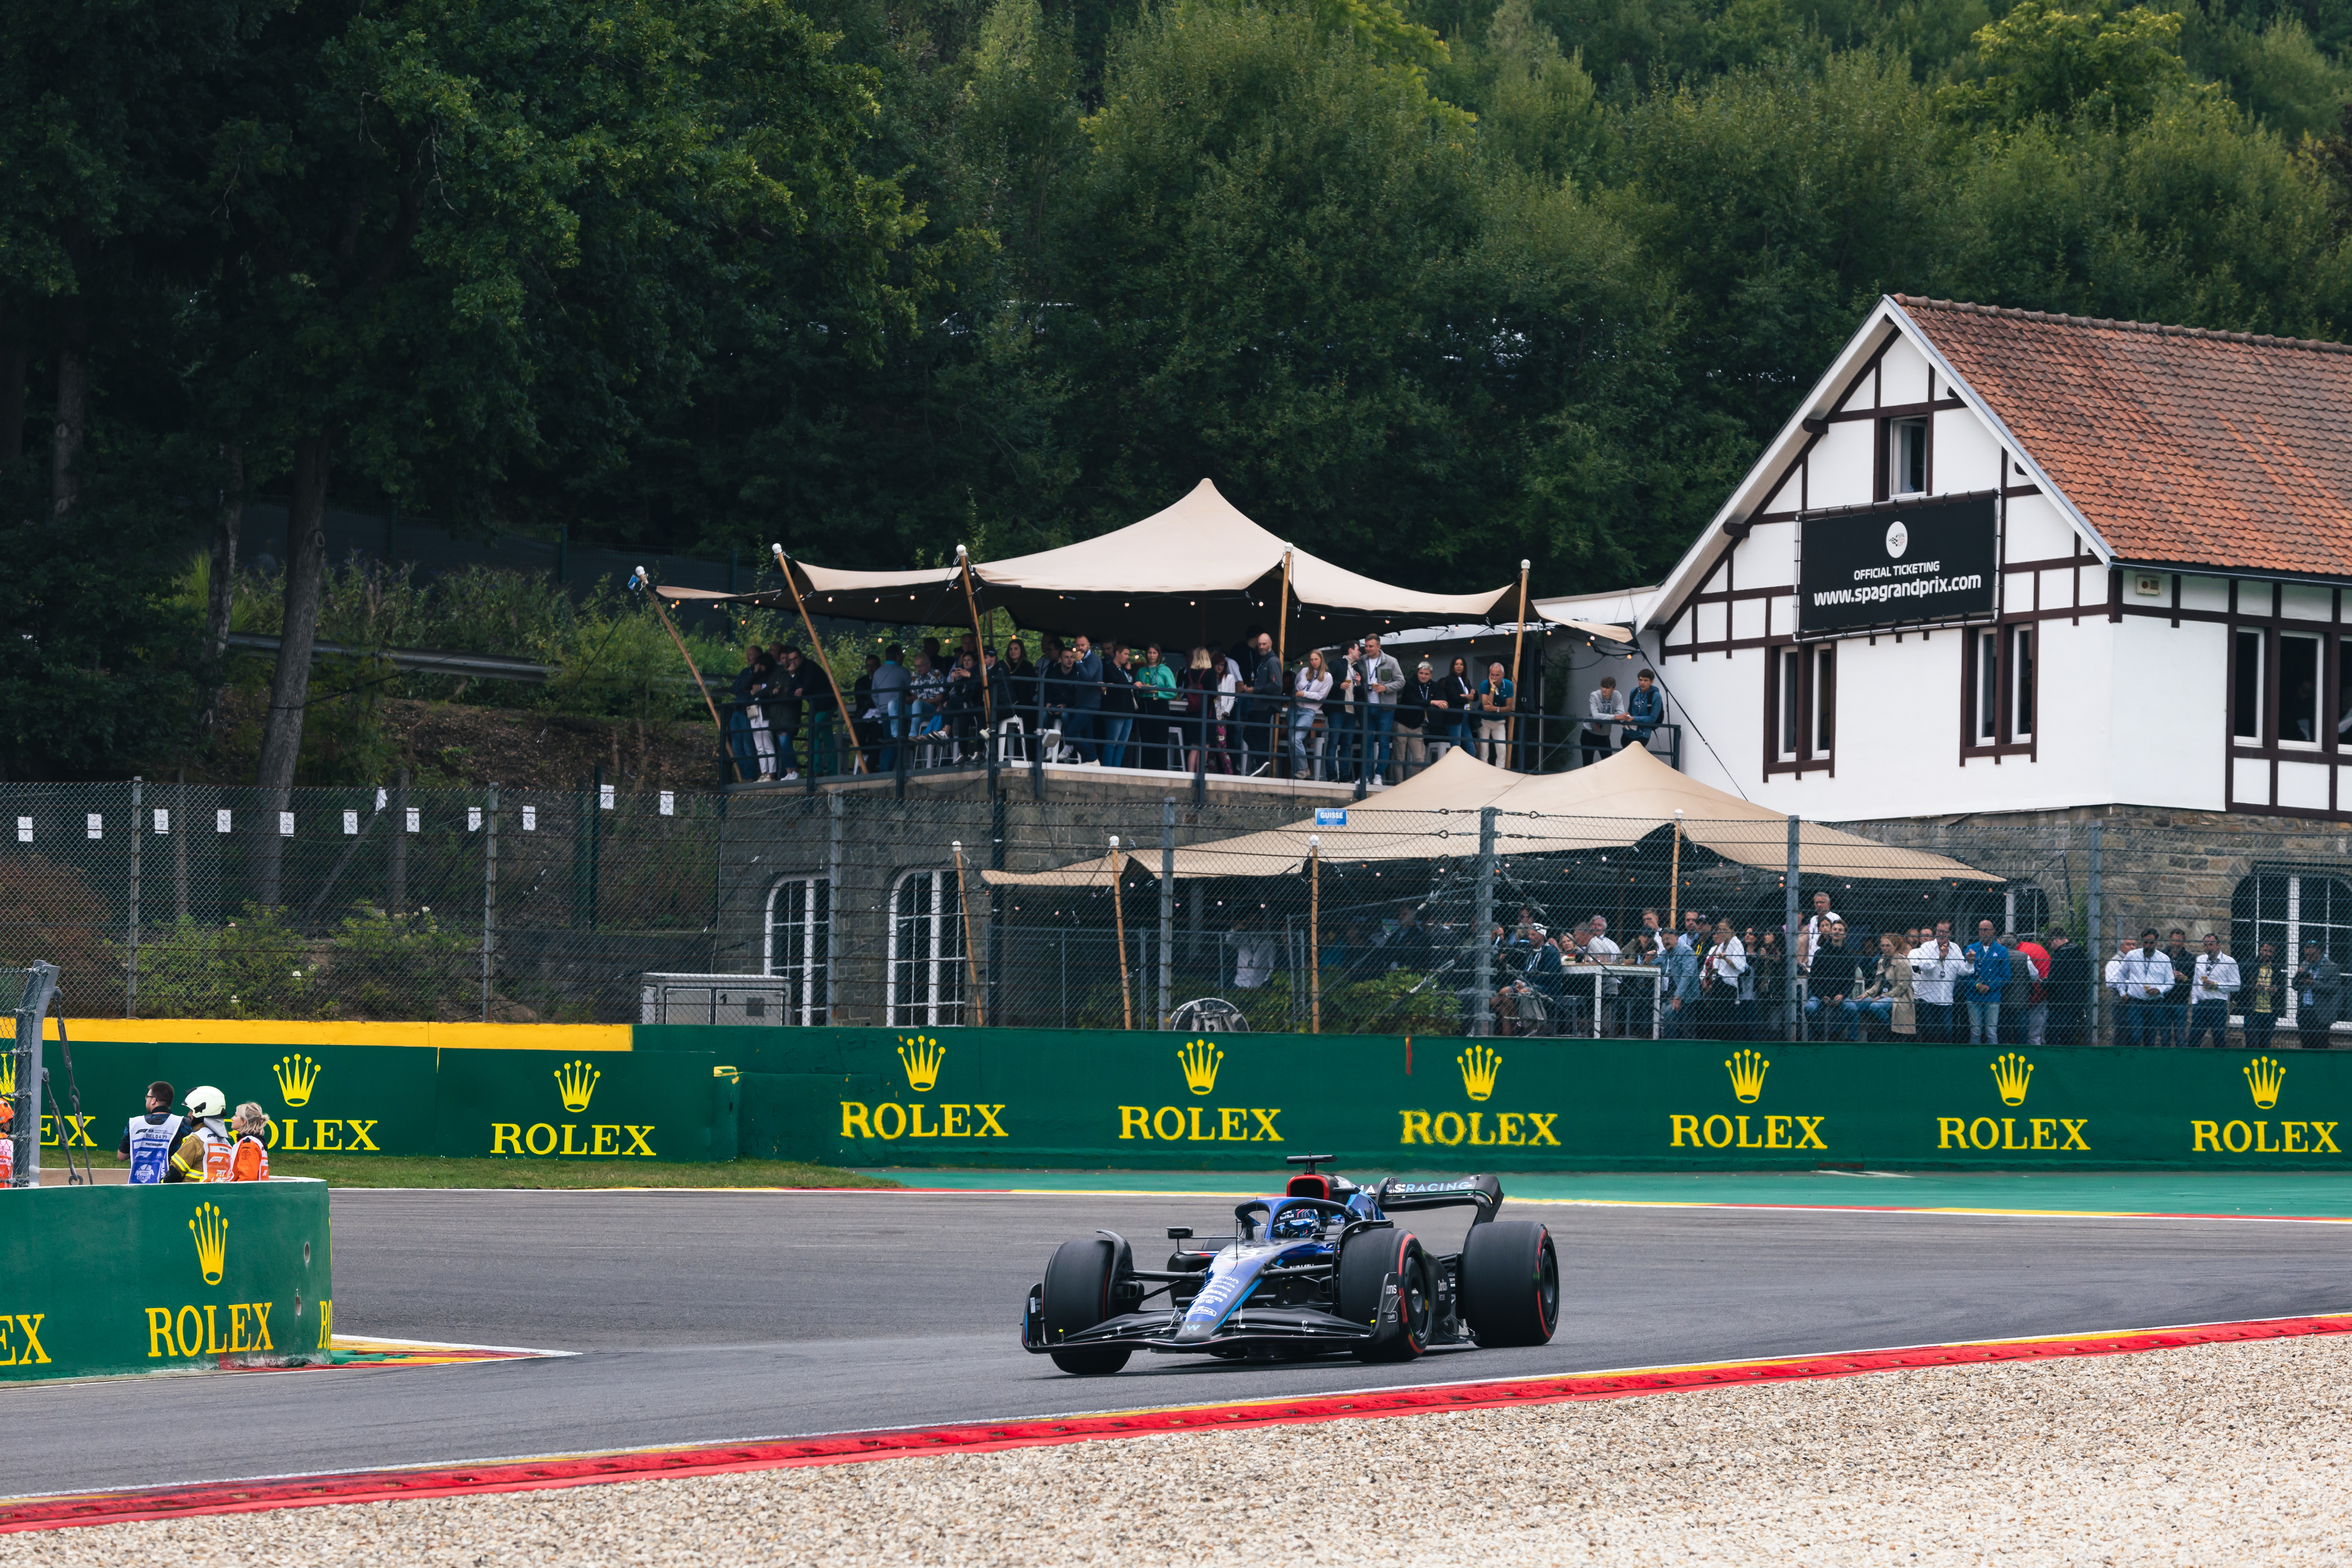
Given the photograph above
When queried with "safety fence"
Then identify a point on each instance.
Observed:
(1275, 909)
(1143, 1101)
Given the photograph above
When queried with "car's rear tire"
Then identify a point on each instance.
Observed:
(1366, 1261)
(1510, 1283)
(1075, 1296)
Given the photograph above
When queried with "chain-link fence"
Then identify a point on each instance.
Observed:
(946, 904)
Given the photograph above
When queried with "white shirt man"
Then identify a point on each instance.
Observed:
(2142, 974)
(1936, 964)
(2215, 978)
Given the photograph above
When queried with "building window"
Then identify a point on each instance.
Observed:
(1799, 707)
(925, 978)
(1988, 687)
(799, 946)
(1792, 671)
(1824, 703)
(2246, 689)
(2287, 909)
(1906, 457)
(2298, 689)
(1998, 690)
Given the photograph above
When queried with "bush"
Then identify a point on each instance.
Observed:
(399, 966)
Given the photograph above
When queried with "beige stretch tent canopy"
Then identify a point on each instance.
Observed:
(1611, 805)
(1199, 570)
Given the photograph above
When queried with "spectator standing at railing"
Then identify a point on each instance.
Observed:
(1197, 689)
(1261, 729)
(1339, 713)
(1820, 921)
(1938, 967)
(2140, 977)
(1604, 708)
(2213, 982)
(1313, 685)
(1155, 702)
(2068, 989)
(2264, 989)
(1833, 979)
(2174, 1027)
(1118, 716)
(1766, 991)
(893, 699)
(787, 703)
(1383, 678)
(1723, 963)
(1684, 991)
(1496, 697)
(739, 744)
(2319, 997)
(1646, 710)
(1449, 707)
(2031, 962)
(1082, 722)
(1987, 983)
(1412, 722)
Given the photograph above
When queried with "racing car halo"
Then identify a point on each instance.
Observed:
(1320, 1269)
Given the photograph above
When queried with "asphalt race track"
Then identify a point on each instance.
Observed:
(710, 1316)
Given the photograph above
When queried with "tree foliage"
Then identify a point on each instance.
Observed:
(1429, 286)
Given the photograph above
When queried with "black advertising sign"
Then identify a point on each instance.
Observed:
(1910, 560)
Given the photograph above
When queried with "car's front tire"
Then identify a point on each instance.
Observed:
(1510, 1283)
(1366, 1261)
(1077, 1296)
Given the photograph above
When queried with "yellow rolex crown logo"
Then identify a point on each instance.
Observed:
(576, 1081)
(1479, 1064)
(1748, 1069)
(2263, 1076)
(297, 1075)
(921, 1058)
(210, 1232)
(1201, 1060)
(2011, 1074)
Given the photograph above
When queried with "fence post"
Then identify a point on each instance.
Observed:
(398, 871)
(2095, 939)
(180, 851)
(1167, 907)
(489, 894)
(832, 905)
(130, 945)
(1789, 934)
(1482, 920)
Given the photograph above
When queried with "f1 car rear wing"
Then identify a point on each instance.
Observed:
(1486, 1192)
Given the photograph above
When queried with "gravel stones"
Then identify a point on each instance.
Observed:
(2209, 1455)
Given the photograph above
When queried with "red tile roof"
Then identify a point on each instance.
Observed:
(2180, 445)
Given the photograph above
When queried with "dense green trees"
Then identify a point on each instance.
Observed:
(1428, 285)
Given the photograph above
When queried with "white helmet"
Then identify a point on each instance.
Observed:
(205, 1100)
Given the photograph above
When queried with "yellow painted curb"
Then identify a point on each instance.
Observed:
(307, 1032)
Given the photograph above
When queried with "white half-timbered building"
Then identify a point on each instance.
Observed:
(2000, 561)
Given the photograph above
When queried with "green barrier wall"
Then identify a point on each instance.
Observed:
(1092, 1099)
(119, 1278)
(387, 1099)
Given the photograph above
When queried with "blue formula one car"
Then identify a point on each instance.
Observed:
(1321, 1270)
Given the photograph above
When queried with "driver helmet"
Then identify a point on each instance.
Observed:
(205, 1100)
(1297, 1225)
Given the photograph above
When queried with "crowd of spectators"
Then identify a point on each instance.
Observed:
(1922, 984)
(1339, 713)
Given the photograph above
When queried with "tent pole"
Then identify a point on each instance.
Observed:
(840, 703)
(970, 955)
(700, 685)
(1281, 618)
(1517, 636)
(978, 642)
(1119, 918)
(1315, 934)
(1674, 880)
